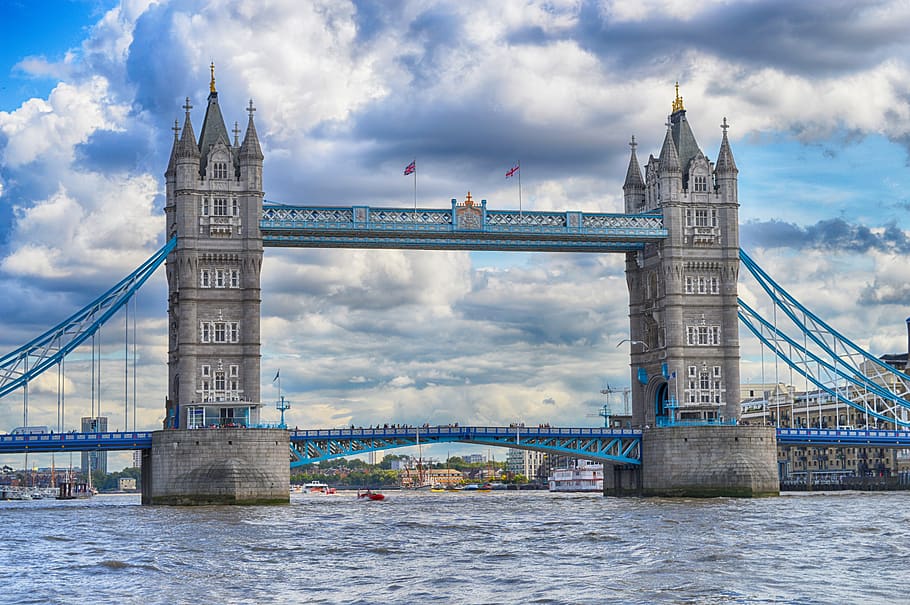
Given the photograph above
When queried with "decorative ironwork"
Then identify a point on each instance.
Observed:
(467, 226)
(609, 445)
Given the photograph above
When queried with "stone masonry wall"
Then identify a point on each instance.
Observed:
(706, 461)
(217, 466)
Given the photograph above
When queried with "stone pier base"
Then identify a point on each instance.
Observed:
(708, 461)
(217, 466)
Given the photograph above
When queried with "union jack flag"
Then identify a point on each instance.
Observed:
(512, 172)
(410, 168)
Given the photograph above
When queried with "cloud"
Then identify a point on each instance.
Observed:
(347, 93)
(835, 235)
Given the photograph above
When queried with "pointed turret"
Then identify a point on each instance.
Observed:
(725, 170)
(250, 149)
(669, 158)
(725, 162)
(172, 161)
(683, 137)
(213, 128)
(187, 147)
(634, 186)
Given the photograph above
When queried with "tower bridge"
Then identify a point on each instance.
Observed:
(679, 234)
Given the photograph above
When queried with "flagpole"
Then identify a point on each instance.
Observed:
(519, 188)
(415, 185)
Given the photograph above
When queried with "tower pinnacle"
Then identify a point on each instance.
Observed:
(678, 102)
(212, 83)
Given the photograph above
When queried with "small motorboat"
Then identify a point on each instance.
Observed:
(370, 495)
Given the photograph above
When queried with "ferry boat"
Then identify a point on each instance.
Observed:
(317, 487)
(582, 476)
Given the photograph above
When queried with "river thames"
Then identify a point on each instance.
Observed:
(496, 547)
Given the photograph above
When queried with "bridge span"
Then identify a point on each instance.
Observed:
(613, 446)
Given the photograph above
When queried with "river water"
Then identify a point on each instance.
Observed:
(495, 547)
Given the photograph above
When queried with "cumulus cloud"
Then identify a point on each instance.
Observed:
(834, 235)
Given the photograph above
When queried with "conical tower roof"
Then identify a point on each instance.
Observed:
(669, 159)
(725, 162)
(187, 147)
(686, 145)
(250, 149)
(172, 161)
(633, 174)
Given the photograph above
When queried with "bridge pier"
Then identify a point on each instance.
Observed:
(709, 461)
(626, 481)
(217, 466)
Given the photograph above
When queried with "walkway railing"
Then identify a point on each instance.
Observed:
(461, 227)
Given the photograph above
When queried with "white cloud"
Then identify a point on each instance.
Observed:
(52, 128)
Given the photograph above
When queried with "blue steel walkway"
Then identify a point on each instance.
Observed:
(621, 446)
(75, 442)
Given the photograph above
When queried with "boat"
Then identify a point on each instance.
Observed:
(317, 487)
(370, 495)
(437, 487)
(582, 476)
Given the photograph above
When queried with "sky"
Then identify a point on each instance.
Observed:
(817, 96)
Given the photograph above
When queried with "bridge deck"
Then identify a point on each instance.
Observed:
(616, 445)
(457, 228)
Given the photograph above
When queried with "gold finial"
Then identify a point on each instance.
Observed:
(468, 201)
(212, 84)
(678, 104)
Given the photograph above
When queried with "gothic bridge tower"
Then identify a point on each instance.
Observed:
(214, 203)
(683, 290)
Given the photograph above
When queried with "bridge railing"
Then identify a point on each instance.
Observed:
(453, 431)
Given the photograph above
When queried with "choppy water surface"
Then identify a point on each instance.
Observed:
(497, 547)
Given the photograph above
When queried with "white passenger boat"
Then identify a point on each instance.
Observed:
(582, 476)
(317, 487)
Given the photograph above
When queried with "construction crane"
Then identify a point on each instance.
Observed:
(605, 411)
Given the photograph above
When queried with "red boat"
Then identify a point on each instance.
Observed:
(370, 495)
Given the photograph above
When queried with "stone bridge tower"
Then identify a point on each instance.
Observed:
(683, 290)
(214, 203)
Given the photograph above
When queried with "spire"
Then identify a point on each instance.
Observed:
(633, 174)
(677, 104)
(725, 163)
(172, 161)
(213, 129)
(187, 146)
(669, 159)
(250, 149)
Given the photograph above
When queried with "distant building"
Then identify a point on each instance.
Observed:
(525, 462)
(126, 484)
(474, 458)
(97, 461)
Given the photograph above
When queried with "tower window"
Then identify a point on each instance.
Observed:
(219, 208)
(219, 278)
(235, 208)
(205, 206)
(701, 184)
(205, 279)
(235, 278)
(219, 170)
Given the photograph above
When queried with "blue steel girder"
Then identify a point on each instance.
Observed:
(460, 227)
(840, 369)
(618, 446)
(76, 442)
(40, 354)
(843, 437)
